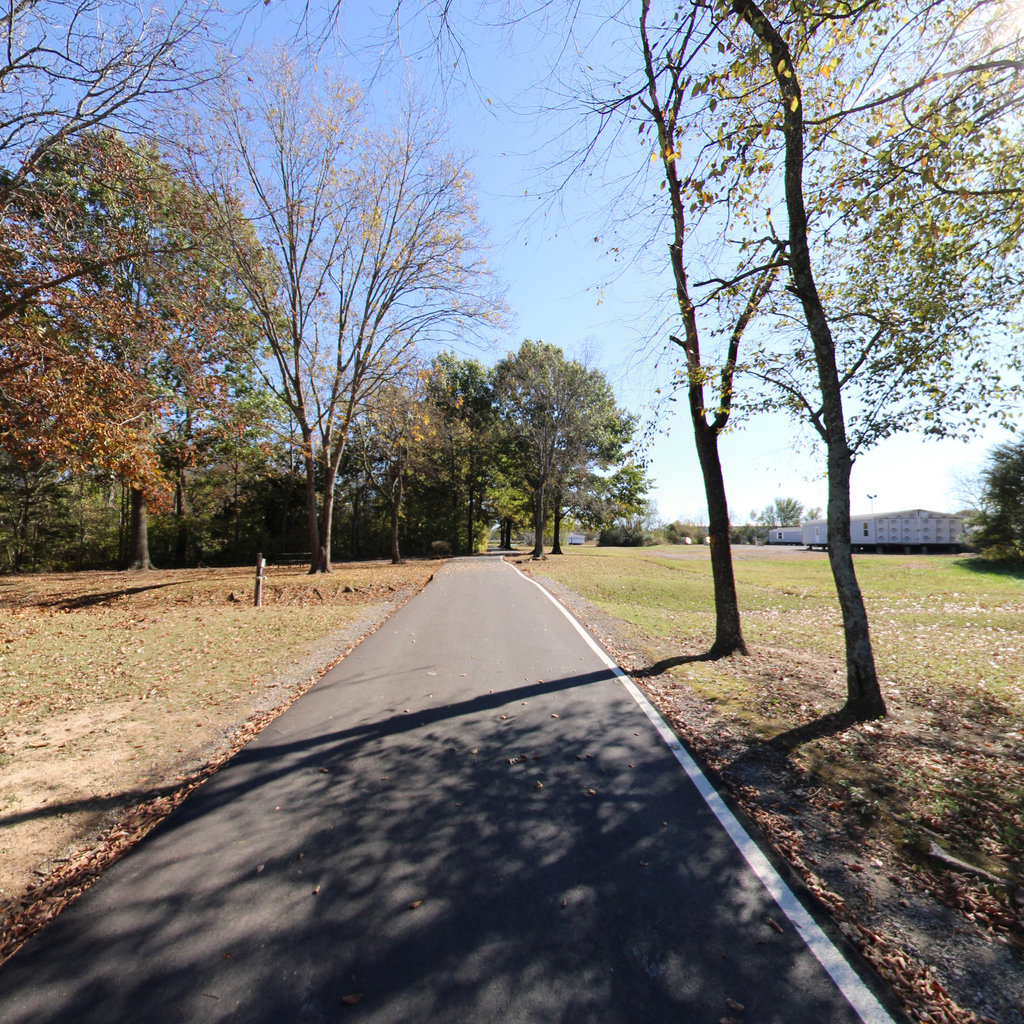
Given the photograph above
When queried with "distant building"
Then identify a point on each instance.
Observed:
(914, 530)
(786, 535)
(575, 538)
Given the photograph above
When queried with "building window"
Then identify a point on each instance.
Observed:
(865, 529)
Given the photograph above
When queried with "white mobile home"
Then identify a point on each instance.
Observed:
(786, 535)
(914, 530)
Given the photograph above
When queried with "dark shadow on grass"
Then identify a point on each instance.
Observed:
(992, 567)
(125, 800)
(666, 663)
(779, 748)
(831, 724)
(105, 597)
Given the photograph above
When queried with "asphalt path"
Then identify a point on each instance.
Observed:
(469, 819)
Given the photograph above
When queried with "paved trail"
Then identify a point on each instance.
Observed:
(469, 819)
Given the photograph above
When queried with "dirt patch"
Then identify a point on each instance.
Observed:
(908, 830)
(122, 692)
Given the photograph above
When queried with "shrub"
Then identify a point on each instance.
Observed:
(621, 536)
(440, 549)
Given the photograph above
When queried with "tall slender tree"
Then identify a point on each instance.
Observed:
(370, 247)
(462, 395)
(389, 437)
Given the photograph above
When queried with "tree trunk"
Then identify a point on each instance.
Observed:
(556, 547)
(236, 513)
(123, 528)
(396, 557)
(323, 562)
(452, 527)
(354, 547)
(728, 634)
(538, 523)
(138, 541)
(21, 530)
(180, 510)
(312, 519)
(863, 694)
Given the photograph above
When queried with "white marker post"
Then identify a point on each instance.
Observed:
(257, 598)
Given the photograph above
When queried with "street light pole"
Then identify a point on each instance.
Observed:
(871, 498)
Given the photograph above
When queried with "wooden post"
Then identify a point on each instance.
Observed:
(258, 595)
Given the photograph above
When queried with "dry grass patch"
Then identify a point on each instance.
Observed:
(116, 685)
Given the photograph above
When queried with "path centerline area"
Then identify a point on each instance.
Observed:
(468, 819)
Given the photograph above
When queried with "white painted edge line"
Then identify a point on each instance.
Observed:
(846, 979)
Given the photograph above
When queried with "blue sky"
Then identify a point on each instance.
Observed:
(563, 288)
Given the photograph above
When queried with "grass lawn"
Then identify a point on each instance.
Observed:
(949, 644)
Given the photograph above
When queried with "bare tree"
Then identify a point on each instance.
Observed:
(369, 247)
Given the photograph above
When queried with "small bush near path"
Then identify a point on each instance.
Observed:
(116, 689)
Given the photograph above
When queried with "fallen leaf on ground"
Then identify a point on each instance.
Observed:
(352, 999)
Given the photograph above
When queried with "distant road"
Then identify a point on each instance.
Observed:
(470, 819)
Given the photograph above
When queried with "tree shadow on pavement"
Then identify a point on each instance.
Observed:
(381, 728)
(530, 854)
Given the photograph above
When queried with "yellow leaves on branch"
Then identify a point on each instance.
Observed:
(668, 155)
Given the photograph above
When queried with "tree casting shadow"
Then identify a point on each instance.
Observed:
(830, 724)
(665, 664)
